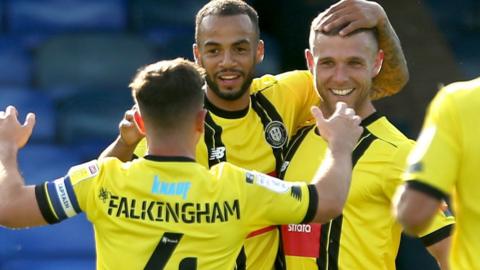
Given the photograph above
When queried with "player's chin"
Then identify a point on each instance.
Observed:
(231, 94)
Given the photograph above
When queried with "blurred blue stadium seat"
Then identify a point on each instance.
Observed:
(92, 115)
(90, 148)
(271, 63)
(147, 14)
(172, 41)
(68, 245)
(44, 162)
(55, 16)
(15, 63)
(88, 61)
(2, 15)
(29, 100)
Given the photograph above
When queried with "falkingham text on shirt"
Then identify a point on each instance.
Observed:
(186, 212)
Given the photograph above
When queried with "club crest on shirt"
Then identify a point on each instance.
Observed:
(276, 134)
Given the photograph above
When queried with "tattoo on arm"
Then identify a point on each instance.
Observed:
(394, 73)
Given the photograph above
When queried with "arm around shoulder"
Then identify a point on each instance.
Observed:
(394, 74)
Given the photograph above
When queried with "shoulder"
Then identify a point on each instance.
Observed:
(291, 78)
(85, 171)
(458, 96)
(390, 144)
(95, 168)
(385, 131)
(227, 170)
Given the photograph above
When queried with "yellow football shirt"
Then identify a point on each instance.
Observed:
(366, 236)
(244, 139)
(446, 161)
(171, 212)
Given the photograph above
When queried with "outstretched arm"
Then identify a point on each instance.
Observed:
(130, 135)
(332, 180)
(356, 14)
(18, 205)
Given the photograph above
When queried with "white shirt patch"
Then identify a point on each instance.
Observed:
(272, 183)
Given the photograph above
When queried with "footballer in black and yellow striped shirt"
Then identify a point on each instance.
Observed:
(366, 235)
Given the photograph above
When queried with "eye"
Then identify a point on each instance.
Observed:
(241, 50)
(356, 63)
(326, 63)
(212, 51)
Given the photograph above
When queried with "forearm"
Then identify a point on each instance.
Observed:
(394, 74)
(11, 182)
(440, 252)
(120, 150)
(9, 174)
(415, 219)
(332, 181)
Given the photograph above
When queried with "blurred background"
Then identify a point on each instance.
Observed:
(70, 61)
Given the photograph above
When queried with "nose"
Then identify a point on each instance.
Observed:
(340, 74)
(227, 60)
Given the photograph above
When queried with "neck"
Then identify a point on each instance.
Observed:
(172, 145)
(229, 105)
(366, 110)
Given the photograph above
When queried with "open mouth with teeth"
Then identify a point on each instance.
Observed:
(231, 80)
(342, 92)
(229, 77)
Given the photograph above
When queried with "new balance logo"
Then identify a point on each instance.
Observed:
(217, 153)
(284, 166)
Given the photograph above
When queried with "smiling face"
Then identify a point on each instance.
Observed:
(228, 49)
(343, 69)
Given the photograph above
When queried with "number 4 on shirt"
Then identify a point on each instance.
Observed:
(165, 248)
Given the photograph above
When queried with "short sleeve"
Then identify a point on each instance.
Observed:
(270, 201)
(440, 227)
(394, 170)
(304, 94)
(67, 196)
(435, 159)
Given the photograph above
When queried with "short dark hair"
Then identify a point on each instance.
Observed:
(227, 8)
(336, 31)
(168, 92)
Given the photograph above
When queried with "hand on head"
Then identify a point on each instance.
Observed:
(130, 132)
(352, 15)
(342, 130)
(11, 131)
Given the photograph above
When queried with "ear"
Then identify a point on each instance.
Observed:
(139, 120)
(200, 121)
(309, 59)
(260, 51)
(196, 53)
(377, 66)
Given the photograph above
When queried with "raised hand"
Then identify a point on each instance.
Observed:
(11, 131)
(342, 130)
(352, 15)
(130, 133)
